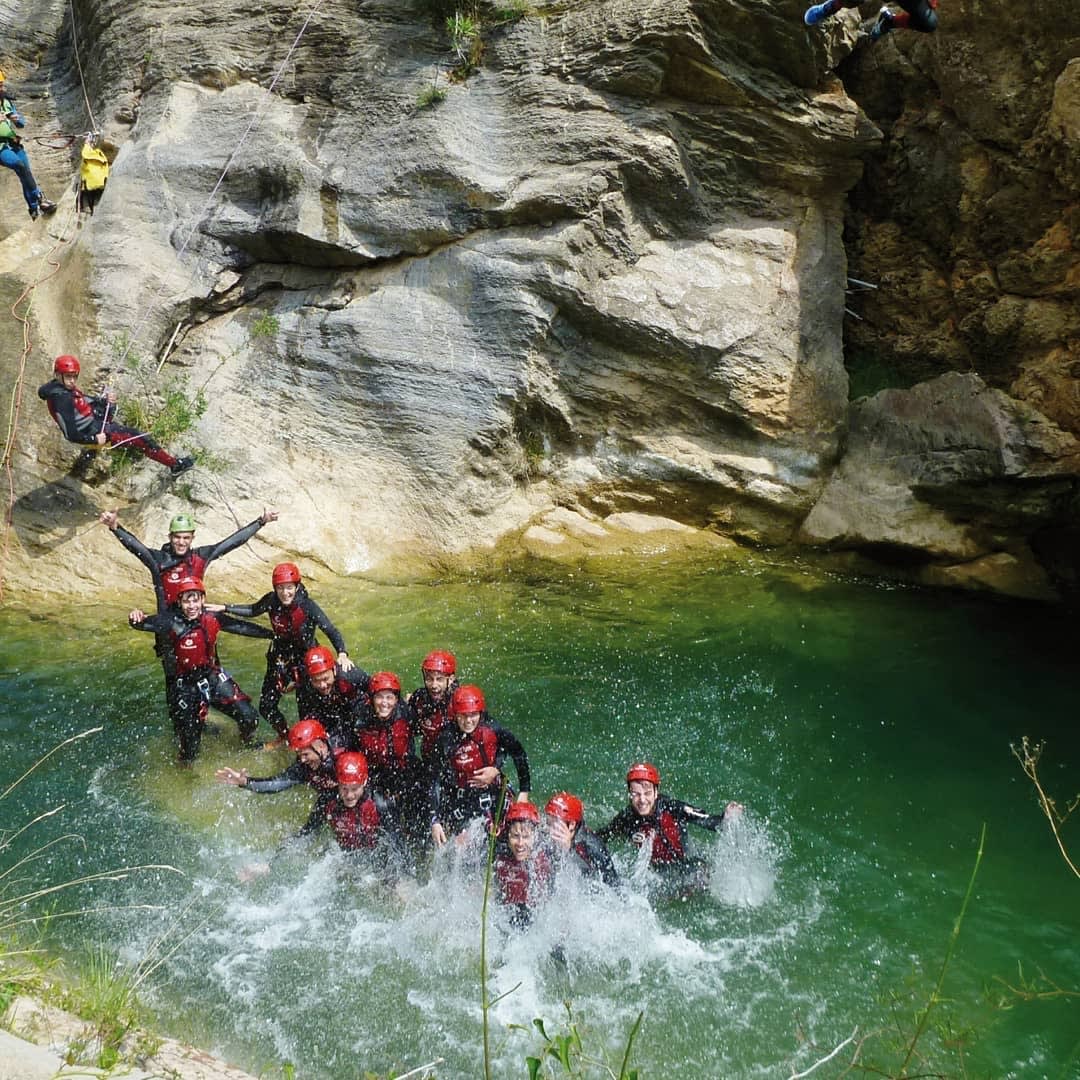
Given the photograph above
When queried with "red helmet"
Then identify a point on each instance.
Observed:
(304, 733)
(190, 584)
(565, 807)
(66, 365)
(522, 811)
(286, 573)
(351, 768)
(318, 660)
(467, 699)
(643, 771)
(466, 759)
(442, 662)
(384, 680)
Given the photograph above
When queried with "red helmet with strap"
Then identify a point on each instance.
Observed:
(384, 680)
(565, 807)
(440, 661)
(467, 699)
(643, 771)
(318, 660)
(286, 573)
(66, 365)
(466, 759)
(522, 811)
(351, 768)
(190, 584)
(302, 734)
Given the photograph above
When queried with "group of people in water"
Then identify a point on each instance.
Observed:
(394, 774)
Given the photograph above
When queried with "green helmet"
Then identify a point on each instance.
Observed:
(182, 523)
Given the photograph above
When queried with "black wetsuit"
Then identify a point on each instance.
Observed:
(82, 417)
(427, 717)
(456, 755)
(591, 856)
(198, 680)
(294, 627)
(340, 710)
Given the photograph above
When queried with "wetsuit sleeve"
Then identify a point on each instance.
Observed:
(232, 625)
(509, 743)
(693, 815)
(318, 616)
(230, 543)
(390, 824)
(295, 774)
(154, 624)
(260, 607)
(132, 543)
(621, 826)
(599, 859)
(61, 405)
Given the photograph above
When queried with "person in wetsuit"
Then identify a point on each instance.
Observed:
(85, 419)
(465, 769)
(918, 15)
(336, 696)
(523, 871)
(13, 154)
(294, 618)
(199, 681)
(660, 822)
(429, 705)
(575, 843)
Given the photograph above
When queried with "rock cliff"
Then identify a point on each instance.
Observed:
(592, 257)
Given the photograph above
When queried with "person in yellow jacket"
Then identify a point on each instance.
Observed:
(93, 176)
(13, 156)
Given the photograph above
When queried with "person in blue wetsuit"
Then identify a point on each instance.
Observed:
(13, 154)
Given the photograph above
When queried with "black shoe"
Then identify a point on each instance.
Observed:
(46, 206)
(182, 465)
(33, 213)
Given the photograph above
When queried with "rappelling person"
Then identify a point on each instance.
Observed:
(336, 695)
(429, 705)
(918, 15)
(576, 844)
(93, 176)
(465, 769)
(13, 156)
(85, 419)
(294, 618)
(199, 681)
(658, 822)
(522, 871)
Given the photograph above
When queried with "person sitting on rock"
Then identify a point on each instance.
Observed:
(465, 769)
(429, 705)
(658, 822)
(575, 844)
(294, 618)
(13, 155)
(85, 419)
(917, 15)
(199, 680)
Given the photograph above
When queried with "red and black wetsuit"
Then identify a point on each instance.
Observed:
(322, 778)
(294, 627)
(664, 829)
(520, 886)
(453, 761)
(428, 716)
(199, 681)
(387, 745)
(339, 711)
(369, 825)
(590, 855)
(82, 417)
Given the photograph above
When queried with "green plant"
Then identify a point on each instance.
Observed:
(1028, 755)
(511, 11)
(566, 1052)
(466, 41)
(266, 326)
(430, 95)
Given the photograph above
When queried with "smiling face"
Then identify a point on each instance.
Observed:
(191, 604)
(437, 683)
(350, 794)
(314, 755)
(322, 683)
(643, 797)
(521, 836)
(467, 721)
(181, 542)
(383, 703)
(286, 592)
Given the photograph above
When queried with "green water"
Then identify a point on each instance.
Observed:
(866, 729)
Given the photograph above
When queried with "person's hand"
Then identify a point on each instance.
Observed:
(733, 810)
(484, 777)
(136, 617)
(18, 119)
(267, 516)
(235, 777)
(100, 438)
(523, 796)
(560, 833)
(110, 519)
(252, 871)
(215, 608)
(110, 395)
(438, 834)
(344, 662)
